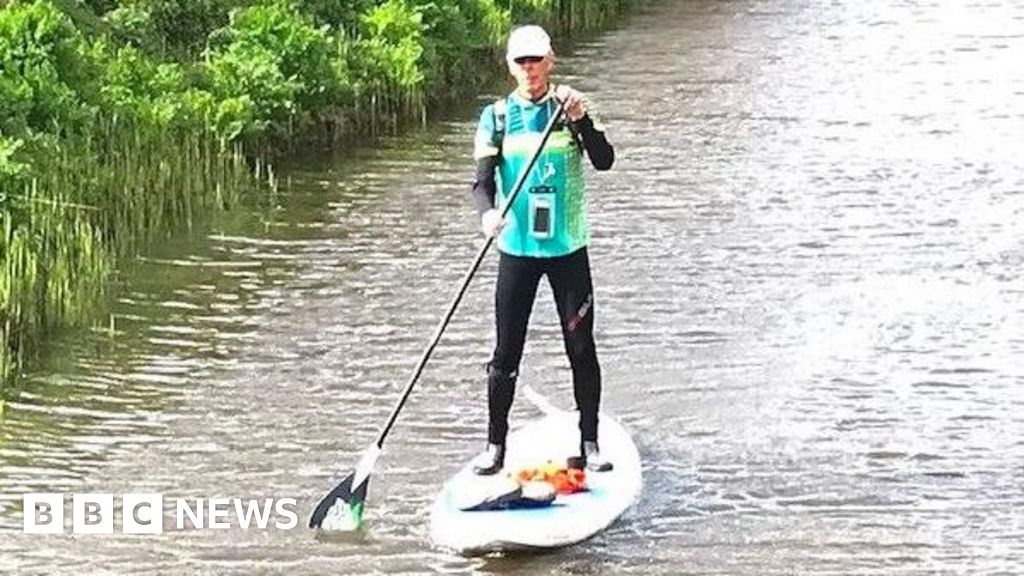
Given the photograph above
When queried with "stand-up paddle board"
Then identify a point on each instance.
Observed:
(569, 519)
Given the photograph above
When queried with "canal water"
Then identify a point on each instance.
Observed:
(807, 265)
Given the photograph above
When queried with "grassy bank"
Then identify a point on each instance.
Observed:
(120, 120)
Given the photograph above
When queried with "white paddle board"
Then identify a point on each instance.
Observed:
(571, 518)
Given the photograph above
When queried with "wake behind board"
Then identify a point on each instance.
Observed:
(571, 518)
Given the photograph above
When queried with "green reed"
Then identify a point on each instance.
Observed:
(101, 197)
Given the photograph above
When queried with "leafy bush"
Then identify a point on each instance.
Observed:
(343, 15)
(152, 93)
(454, 29)
(46, 77)
(181, 27)
(9, 165)
(276, 57)
(387, 55)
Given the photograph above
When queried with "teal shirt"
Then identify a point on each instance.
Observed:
(549, 218)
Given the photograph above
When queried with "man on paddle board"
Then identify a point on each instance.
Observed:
(545, 232)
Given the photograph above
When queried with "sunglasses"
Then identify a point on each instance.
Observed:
(528, 60)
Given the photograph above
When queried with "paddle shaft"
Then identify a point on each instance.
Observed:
(466, 280)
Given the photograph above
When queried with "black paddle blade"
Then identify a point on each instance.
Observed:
(349, 514)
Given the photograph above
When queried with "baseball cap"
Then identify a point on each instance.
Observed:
(529, 40)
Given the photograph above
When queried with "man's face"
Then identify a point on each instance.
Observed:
(532, 72)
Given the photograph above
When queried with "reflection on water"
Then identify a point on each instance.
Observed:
(807, 268)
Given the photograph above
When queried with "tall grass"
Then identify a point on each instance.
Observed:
(62, 229)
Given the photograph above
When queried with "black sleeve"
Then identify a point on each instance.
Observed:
(484, 188)
(600, 151)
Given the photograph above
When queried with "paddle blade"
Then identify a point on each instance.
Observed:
(342, 508)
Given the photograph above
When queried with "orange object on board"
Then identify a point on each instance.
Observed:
(565, 480)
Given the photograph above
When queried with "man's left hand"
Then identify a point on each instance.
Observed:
(574, 107)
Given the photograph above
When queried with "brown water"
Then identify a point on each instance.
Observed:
(809, 314)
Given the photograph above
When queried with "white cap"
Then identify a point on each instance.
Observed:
(530, 40)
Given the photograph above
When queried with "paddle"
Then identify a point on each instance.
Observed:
(345, 502)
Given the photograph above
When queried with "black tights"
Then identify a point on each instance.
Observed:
(516, 289)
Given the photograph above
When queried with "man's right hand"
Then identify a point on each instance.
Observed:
(491, 223)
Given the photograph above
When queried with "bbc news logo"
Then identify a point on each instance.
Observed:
(144, 513)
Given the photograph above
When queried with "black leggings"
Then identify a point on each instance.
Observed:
(518, 278)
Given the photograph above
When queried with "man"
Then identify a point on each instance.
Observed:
(545, 234)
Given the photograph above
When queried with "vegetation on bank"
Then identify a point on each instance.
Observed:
(123, 119)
